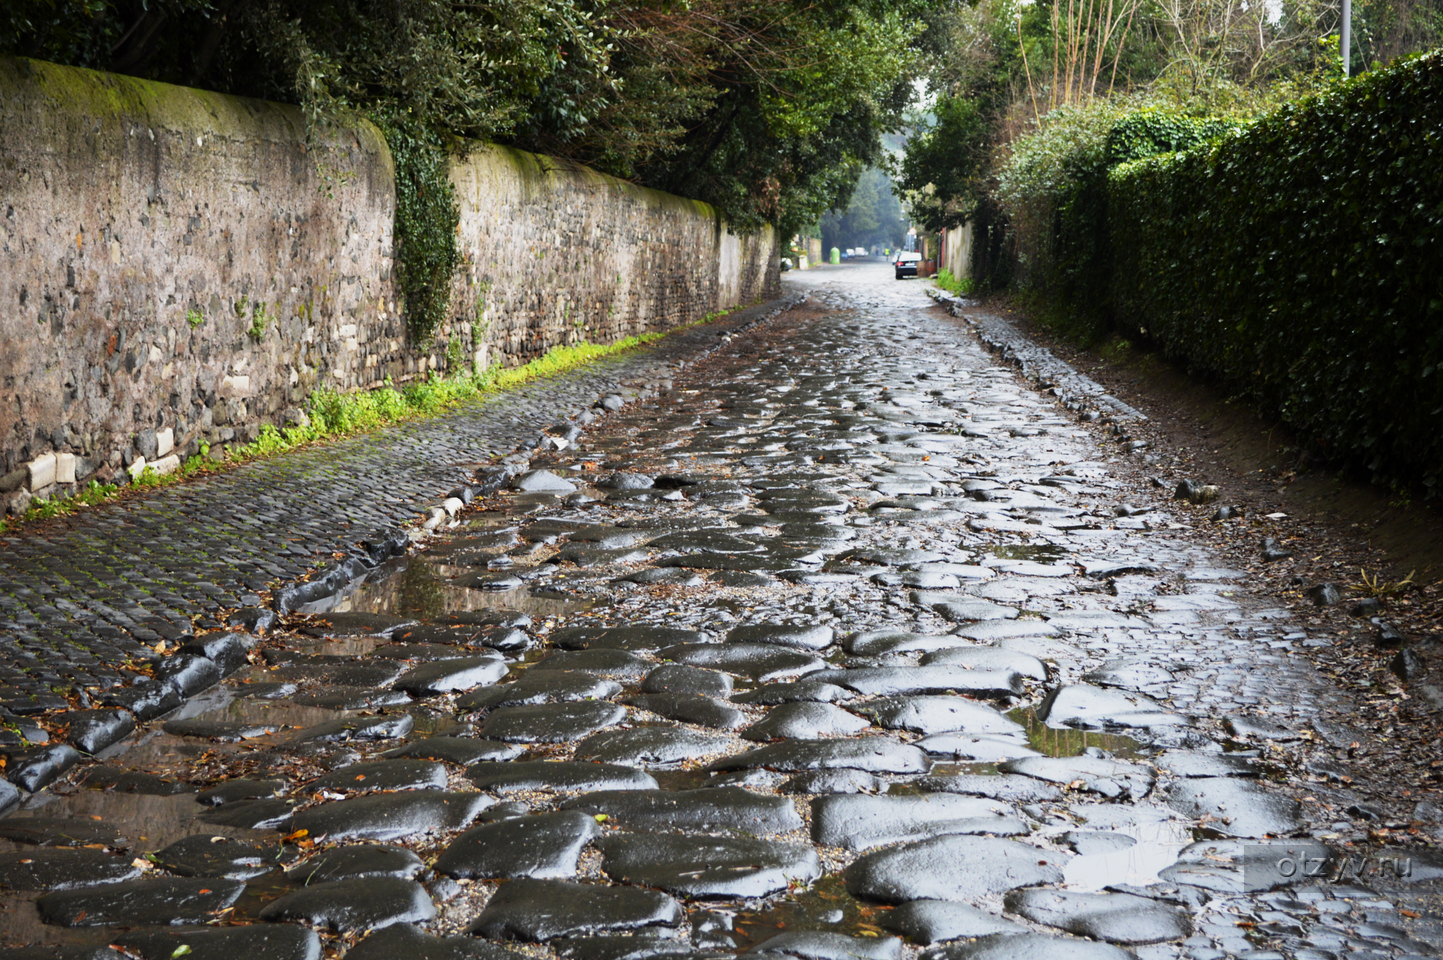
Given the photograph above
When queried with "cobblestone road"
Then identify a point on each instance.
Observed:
(852, 644)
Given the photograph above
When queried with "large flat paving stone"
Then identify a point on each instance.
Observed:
(152, 901)
(676, 678)
(703, 711)
(936, 921)
(349, 905)
(1028, 946)
(805, 720)
(707, 810)
(521, 776)
(204, 855)
(933, 714)
(257, 941)
(1086, 707)
(601, 662)
(1236, 866)
(876, 643)
(382, 775)
(988, 658)
(707, 868)
(759, 661)
(813, 638)
(892, 681)
(1011, 788)
(402, 941)
(1111, 778)
(65, 869)
(857, 822)
(652, 745)
(546, 846)
(1235, 807)
(463, 751)
(451, 676)
(540, 686)
(623, 638)
(61, 832)
(821, 945)
(871, 754)
(977, 747)
(550, 722)
(952, 868)
(1114, 917)
(390, 816)
(538, 910)
(357, 861)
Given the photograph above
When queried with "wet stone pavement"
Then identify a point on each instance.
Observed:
(849, 643)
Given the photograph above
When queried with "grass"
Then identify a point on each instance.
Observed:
(335, 415)
(961, 286)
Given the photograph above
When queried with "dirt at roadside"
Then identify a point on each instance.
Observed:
(1371, 543)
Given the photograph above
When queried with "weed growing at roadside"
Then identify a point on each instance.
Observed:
(961, 286)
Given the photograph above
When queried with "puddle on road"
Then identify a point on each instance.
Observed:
(1036, 552)
(1065, 742)
(826, 905)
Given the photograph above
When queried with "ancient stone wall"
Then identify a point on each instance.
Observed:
(178, 268)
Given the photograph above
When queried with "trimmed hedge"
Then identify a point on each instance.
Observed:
(1300, 260)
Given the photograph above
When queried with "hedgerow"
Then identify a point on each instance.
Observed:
(1301, 261)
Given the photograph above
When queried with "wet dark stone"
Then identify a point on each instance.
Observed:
(679, 679)
(1408, 665)
(613, 664)
(61, 832)
(1367, 607)
(404, 942)
(550, 722)
(34, 769)
(1088, 843)
(934, 921)
(820, 945)
(1237, 866)
(460, 630)
(702, 711)
(773, 694)
(204, 855)
(1112, 778)
(63, 869)
(545, 847)
(355, 862)
(923, 714)
(239, 789)
(875, 643)
(539, 910)
(988, 658)
(1236, 808)
(62, 953)
(758, 661)
(892, 681)
(369, 903)
(623, 638)
(222, 731)
(381, 775)
(254, 619)
(1184, 763)
(1242, 725)
(805, 720)
(1129, 674)
(871, 754)
(856, 822)
(1324, 594)
(1028, 946)
(158, 901)
(451, 676)
(1114, 917)
(265, 690)
(460, 750)
(228, 651)
(259, 941)
(387, 817)
(783, 635)
(833, 781)
(346, 673)
(707, 867)
(356, 624)
(951, 868)
(653, 745)
(91, 731)
(707, 810)
(260, 814)
(357, 728)
(1095, 708)
(133, 781)
(187, 673)
(540, 686)
(145, 700)
(524, 776)
(1272, 550)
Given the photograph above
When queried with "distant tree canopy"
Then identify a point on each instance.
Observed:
(766, 110)
(872, 218)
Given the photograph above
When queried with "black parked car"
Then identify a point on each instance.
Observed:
(906, 263)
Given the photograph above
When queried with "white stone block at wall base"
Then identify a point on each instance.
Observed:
(65, 468)
(40, 472)
(164, 441)
(166, 465)
(136, 468)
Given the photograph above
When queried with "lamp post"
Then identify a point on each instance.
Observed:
(1347, 35)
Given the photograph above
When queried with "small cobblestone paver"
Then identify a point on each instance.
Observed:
(850, 633)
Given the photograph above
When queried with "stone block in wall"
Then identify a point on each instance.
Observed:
(40, 472)
(164, 441)
(65, 468)
(166, 465)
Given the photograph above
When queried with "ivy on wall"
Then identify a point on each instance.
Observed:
(1299, 261)
(425, 230)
